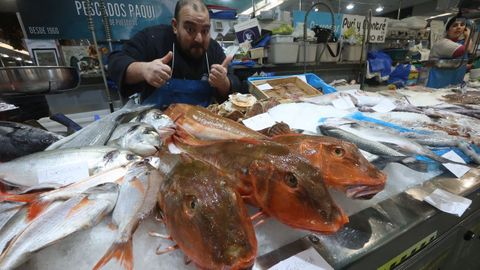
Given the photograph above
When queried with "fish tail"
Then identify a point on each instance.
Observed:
(123, 252)
(36, 208)
(27, 198)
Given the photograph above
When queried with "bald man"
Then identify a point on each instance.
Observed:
(177, 63)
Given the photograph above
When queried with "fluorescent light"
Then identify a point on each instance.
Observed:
(440, 15)
(6, 46)
(379, 9)
(350, 6)
(28, 61)
(18, 58)
(263, 5)
(4, 55)
(316, 9)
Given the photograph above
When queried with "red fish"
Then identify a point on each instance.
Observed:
(282, 183)
(202, 124)
(342, 165)
(206, 217)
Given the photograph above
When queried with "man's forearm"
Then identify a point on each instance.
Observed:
(134, 73)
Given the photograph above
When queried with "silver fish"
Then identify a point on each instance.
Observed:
(161, 122)
(16, 225)
(136, 199)
(469, 151)
(19, 140)
(98, 132)
(80, 212)
(40, 200)
(24, 171)
(365, 131)
(140, 138)
(7, 211)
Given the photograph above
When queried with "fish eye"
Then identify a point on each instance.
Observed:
(46, 140)
(291, 181)
(339, 152)
(193, 204)
(190, 205)
(130, 157)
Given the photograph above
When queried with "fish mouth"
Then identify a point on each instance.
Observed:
(363, 192)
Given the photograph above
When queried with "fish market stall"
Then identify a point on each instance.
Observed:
(390, 224)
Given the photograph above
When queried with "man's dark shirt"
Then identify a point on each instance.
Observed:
(153, 43)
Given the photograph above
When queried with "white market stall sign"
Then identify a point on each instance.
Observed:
(378, 29)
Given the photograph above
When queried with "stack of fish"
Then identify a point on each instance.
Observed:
(201, 193)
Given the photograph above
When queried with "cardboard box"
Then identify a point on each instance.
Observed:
(284, 89)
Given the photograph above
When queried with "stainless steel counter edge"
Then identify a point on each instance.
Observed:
(376, 226)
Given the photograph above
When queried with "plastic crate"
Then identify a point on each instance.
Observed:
(283, 53)
(311, 53)
(312, 80)
(281, 38)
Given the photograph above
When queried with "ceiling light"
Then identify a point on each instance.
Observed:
(4, 55)
(379, 9)
(350, 6)
(316, 9)
(18, 58)
(440, 15)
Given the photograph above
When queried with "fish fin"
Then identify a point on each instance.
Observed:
(259, 214)
(27, 198)
(183, 137)
(260, 222)
(122, 252)
(186, 260)
(410, 162)
(35, 209)
(154, 234)
(168, 249)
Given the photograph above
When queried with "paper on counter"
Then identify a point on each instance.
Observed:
(448, 202)
(64, 173)
(259, 122)
(265, 86)
(306, 260)
(456, 169)
(226, 28)
(343, 103)
(386, 105)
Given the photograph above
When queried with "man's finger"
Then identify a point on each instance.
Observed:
(227, 61)
(167, 58)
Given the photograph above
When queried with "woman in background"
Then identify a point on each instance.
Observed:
(450, 47)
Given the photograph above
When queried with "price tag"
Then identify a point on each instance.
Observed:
(264, 87)
(456, 169)
(386, 105)
(63, 174)
(306, 260)
(259, 122)
(343, 103)
(448, 202)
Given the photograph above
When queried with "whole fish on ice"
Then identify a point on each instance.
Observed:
(98, 132)
(18, 140)
(136, 199)
(205, 216)
(78, 213)
(161, 122)
(280, 182)
(24, 171)
(141, 139)
(202, 124)
(340, 162)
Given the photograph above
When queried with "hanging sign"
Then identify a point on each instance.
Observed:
(354, 25)
(67, 19)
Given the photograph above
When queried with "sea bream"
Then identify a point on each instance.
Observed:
(137, 198)
(139, 138)
(161, 122)
(206, 217)
(36, 202)
(283, 184)
(23, 172)
(18, 140)
(78, 213)
(340, 162)
(200, 123)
